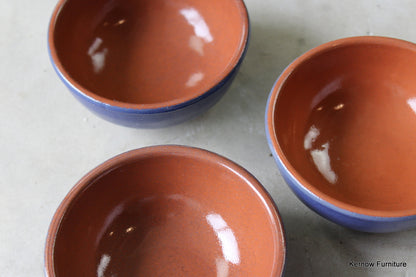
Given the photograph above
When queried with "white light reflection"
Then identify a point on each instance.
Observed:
(339, 107)
(97, 57)
(310, 137)
(102, 266)
(194, 79)
(323, 163)
(327, 90)
(227, 240)
(412, 103)
(120, 22)
(130, 229)
(195, 19)
(197, 44)
(110, 218)
(222, 267)
(189, 201)
(320, 156)
(201, 30)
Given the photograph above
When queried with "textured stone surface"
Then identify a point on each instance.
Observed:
(48, 141)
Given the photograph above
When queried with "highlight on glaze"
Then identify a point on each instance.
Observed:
(412, 103)
(320, 155)
(194, 79)
(226, 238)
(322, 162)
(102, 266)
(202, 34)
(97, 56)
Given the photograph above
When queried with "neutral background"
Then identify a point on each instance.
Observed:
(48, 141)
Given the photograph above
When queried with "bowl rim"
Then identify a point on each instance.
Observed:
(119, 160)
(271, 131)
(148, 108)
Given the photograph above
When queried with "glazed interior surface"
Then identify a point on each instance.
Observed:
(149, 52)
(167, 216)
(346, 121)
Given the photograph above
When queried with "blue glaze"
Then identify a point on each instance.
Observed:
(152, 118)
(355, 221)
(159, 117)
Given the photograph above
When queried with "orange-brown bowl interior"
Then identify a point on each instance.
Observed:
(167, 213)
(345, 123)
(148, 53)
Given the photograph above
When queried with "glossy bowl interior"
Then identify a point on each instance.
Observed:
(342, 120)
(166, 211)
(147, 54)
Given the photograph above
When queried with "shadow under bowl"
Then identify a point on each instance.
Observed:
(166, 211)
(341, 123)
(148, 64)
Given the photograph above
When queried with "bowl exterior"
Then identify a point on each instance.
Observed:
(152, 118)
(348, 219)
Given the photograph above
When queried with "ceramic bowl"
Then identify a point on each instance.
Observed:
(148, 64)
(166, 211)
(341, 123)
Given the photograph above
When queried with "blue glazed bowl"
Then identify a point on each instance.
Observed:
(339, 124)
(148, 64)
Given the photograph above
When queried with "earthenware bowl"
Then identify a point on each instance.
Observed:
(166, 211)
(148, 64)
(341, 123)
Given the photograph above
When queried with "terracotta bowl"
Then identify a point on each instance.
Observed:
(166, 211)
(144, 63)
(341, 123)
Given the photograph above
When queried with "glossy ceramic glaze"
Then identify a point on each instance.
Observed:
(148, 57)
(166, 211)
(341, 121)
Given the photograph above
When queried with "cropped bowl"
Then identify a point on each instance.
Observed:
(341, 124)
(148, 64)
(166, 211)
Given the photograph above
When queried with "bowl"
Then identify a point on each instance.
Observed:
(166, 211)
(341, 124)
(148, 64)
